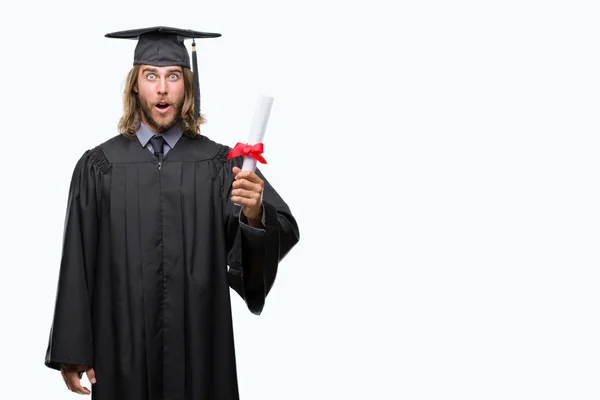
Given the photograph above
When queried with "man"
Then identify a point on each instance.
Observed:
(160, 223)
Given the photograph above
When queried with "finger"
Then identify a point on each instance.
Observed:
(236, 170)
(91, 374)
(66, 371)
(249, 175)
(243, 201)
(249, 194)
(76, 383)
(245, 184)
(66, 379)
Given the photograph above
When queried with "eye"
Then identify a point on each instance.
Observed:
(151, 76)
(173, 77)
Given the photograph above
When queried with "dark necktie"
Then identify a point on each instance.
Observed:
(157, 144)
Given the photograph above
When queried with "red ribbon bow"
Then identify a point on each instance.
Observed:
(243, 149)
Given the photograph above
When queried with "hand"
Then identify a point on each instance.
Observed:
(70, 374)
(247, 191)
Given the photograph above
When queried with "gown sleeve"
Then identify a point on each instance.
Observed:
(71, 340)
(254, 254)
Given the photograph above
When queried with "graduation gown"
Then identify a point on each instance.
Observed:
(149, 257)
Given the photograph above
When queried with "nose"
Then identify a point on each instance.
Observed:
(162, 86)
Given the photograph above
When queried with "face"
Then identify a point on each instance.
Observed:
(161, 94)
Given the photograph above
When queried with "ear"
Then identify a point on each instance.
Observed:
(135, 89)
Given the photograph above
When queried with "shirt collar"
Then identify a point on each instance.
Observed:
(171, 136)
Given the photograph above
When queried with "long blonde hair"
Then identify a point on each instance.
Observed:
(131, 119)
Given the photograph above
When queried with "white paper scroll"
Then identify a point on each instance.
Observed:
(258, 128)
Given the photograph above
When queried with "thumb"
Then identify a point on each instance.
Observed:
(91, 374)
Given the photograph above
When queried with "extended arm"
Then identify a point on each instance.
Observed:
(262, 232)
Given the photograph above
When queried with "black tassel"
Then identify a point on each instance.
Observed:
(196, 81)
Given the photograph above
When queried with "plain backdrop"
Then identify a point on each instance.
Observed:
(442, 160)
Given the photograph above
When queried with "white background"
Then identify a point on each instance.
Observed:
(441, 159)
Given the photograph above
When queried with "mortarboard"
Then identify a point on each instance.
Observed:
(163, 46)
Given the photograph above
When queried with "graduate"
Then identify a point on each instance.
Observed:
(161, 223)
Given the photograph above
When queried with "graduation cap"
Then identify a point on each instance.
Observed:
(163, 46)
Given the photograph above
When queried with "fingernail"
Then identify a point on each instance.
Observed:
(93, 380)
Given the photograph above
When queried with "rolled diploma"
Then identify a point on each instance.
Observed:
(258, 128)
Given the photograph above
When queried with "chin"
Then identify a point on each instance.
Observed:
(163, 125)
(164, 121)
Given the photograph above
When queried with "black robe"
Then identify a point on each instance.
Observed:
(149, 257)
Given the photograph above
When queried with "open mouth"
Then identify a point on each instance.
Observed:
(163, 108)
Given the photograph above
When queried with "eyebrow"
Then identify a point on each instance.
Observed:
(154, 70)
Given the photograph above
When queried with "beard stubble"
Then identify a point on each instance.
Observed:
(147, 109)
